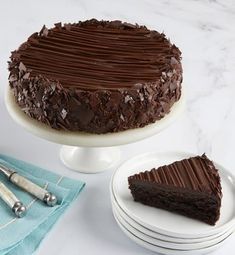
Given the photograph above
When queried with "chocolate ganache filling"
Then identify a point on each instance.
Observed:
(96, 76)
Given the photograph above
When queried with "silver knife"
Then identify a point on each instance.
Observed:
(29, 186)
(12, 201)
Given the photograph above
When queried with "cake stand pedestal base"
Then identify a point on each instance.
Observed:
(90, 160)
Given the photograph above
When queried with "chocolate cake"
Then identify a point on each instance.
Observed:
(96, 76)
(190, 187)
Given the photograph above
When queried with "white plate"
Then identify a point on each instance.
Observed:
(161, 237)
(166, 251)
(162, 221)
(166, 244)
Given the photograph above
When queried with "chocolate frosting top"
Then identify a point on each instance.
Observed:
(196, 173)
(96, 55)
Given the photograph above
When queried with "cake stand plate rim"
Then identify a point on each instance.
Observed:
(86, 139)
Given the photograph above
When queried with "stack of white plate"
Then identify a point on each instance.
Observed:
(162, 231)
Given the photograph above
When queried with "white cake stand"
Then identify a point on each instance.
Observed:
(95, 153)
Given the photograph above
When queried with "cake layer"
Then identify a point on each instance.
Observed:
(190, 187)
(96, 76)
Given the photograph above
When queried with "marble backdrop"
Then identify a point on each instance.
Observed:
(204, 30)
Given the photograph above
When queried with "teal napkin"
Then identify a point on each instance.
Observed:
(23, 236)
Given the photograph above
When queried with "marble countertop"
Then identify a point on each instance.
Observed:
(204, 30)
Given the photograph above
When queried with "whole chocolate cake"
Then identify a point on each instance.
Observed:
(190, 187)
(96, 76)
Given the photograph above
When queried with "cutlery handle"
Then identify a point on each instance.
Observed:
(33, 189)
(6, 171)
(12, 201)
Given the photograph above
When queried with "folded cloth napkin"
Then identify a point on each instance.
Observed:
(23, 236)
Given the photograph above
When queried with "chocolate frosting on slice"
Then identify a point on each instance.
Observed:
(196, 173)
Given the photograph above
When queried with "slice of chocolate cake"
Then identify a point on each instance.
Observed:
(190, 187)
